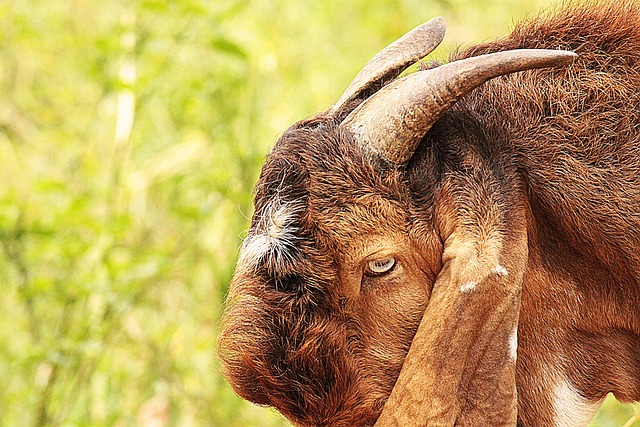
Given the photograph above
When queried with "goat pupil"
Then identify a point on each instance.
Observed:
(381, 265)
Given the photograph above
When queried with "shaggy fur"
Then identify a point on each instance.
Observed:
(311, 333)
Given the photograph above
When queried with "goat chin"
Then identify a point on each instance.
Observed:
(508, 228)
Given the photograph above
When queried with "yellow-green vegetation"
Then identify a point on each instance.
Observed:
(131, 134)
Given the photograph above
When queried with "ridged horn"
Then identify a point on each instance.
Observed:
(393, 121)
(393, 59)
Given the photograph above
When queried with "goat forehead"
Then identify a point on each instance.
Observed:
(365, 211)
(316, 191)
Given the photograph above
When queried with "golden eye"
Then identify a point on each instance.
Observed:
(381, 266)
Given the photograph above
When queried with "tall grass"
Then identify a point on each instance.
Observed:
(131, 133)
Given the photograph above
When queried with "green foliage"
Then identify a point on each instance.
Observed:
(131, 134)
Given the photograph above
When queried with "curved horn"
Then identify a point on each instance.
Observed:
(393, 59)
(393, 121)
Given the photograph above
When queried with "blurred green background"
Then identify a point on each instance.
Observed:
(131, 135)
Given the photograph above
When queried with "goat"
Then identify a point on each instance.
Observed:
(457, 246)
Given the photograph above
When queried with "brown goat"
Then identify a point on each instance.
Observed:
(410, 242)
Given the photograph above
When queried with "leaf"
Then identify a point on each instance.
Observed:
(225, 45)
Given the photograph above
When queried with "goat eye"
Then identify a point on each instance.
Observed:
(381, 266)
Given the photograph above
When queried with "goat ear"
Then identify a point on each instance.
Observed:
(460, 369)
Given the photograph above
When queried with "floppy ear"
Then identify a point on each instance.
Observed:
(460, 369)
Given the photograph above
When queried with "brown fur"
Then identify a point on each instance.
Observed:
(552, 153)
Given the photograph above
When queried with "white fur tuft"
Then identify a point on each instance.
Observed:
(468, 287)
(500, 271)
(513, 344)
(570, 408)
(275, 237)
